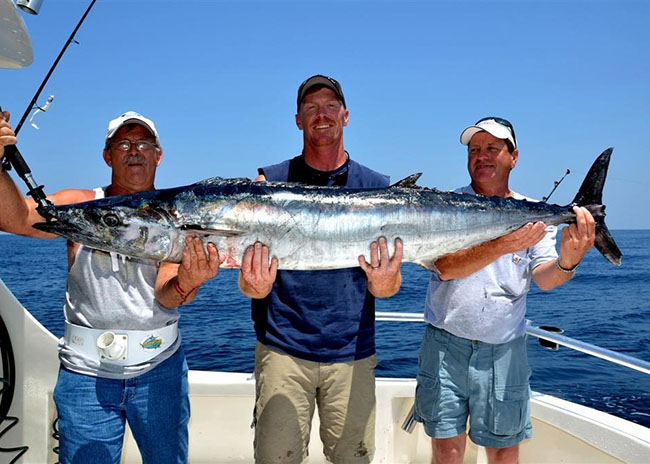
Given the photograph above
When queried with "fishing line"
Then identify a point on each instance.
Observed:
(13, 158)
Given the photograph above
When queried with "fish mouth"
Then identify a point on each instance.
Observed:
(54, 227)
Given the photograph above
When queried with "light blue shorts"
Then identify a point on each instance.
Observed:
(458, 378)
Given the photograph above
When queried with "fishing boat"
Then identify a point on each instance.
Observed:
(222, 402)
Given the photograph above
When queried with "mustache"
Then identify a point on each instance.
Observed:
(133, 159)
(324, 119)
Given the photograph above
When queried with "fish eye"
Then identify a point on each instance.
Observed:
(111, 220)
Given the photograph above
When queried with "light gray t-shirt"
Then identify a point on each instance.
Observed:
(110, 291)
(489, 305)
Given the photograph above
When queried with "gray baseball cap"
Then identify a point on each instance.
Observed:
(319, 80)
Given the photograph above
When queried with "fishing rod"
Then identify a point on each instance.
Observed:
(556, 183)
(13, 157)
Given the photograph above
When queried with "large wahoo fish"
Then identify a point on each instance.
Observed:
(310, 227)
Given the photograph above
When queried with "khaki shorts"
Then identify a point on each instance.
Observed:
(288, 389)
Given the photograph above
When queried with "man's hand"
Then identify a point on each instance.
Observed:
(522, 238)
(383, 272)
(178, 284)
(577, 238)
(197, 267)
(7, 136)
(256, 276)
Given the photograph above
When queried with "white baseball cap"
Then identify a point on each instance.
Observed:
(498, 127)
(131, 117)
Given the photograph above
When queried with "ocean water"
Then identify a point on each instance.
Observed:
(604, 305)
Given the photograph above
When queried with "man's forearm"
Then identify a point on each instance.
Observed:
(547, 275)
(14, 212)
(464, 263)
(172, 295)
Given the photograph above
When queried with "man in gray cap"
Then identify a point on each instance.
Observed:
(141, 376)
(315, 329)
(473, 359)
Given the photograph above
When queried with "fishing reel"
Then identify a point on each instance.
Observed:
(14, 158)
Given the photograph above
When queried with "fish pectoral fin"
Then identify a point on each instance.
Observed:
(392, 230)
(408, 182)
(199, 230)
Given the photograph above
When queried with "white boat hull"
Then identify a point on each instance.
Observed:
(222, 405)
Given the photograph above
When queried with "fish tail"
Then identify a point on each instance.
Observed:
(590, 196)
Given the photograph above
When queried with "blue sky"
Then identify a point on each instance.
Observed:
(220, 78)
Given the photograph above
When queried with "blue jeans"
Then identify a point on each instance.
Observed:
(93, 412)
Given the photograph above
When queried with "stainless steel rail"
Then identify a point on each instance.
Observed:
(593, 350)
(587, 348)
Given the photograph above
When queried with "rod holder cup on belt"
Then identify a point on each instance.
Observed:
(547, 343)
(112, 346)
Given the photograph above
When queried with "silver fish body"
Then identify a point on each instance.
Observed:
(305, 227)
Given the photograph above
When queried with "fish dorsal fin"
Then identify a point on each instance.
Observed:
(408, 182)
(200, 231)
(221, 180)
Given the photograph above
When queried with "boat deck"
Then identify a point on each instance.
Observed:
(222, 405)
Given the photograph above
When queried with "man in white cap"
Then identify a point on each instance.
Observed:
(121, 358)
(473, 361)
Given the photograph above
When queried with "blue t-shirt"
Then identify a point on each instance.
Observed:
(321, 316)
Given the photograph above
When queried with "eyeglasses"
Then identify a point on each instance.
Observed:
(143, 146)
(503, 122)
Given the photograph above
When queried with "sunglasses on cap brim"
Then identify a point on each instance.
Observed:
(503, 122)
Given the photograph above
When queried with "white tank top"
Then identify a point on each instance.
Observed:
(110, 291)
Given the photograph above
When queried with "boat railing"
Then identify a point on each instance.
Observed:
(552, 336)
(549, 337)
